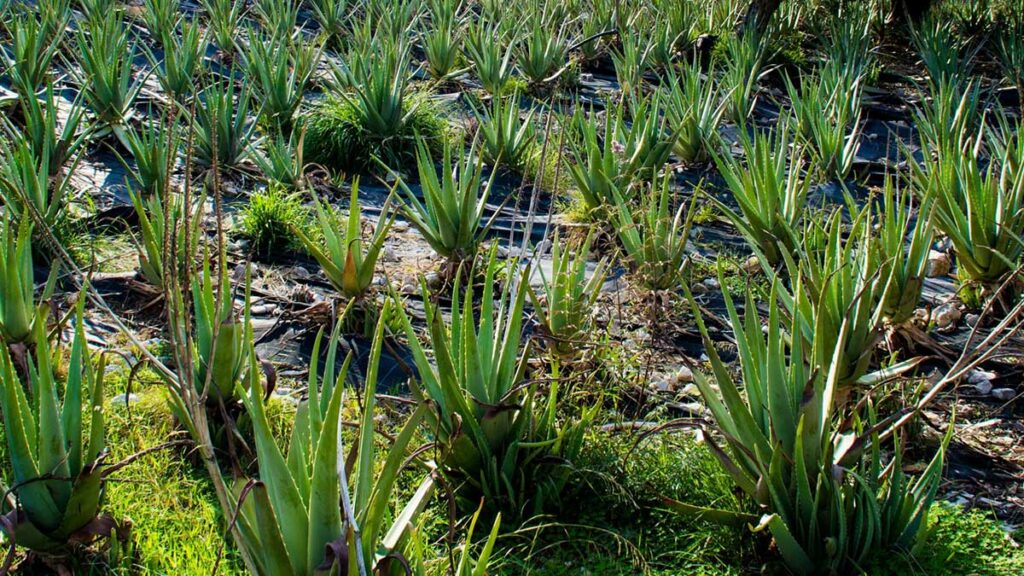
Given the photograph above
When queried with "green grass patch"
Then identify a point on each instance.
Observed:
(336, 140)
(268, 219)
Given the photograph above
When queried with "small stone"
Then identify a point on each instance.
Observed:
(400, 226)
(123, 400)
(586, 77)
(939, 264)
(407, 289)
(752, 265)
(944, 244)
(978, 376)
(683, 375)
(1004, 394)
(433, 280)
(984, 387)
(946, 315)
(690, 390)
(711, 283)
(661, 385)
(698, 289)
(972, 320)
(388, 255)
(298, 273)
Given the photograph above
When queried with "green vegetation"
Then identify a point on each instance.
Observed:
(582, 191)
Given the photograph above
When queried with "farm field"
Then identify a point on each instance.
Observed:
(467, 287)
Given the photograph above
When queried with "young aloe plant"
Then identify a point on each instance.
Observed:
(827, 112)
(54, 139)
(565, 303)
(903, 267)
(161, 17)
(220, 339)
(507, 139)
(154, 151)
(979, 207)
(105, 52)
(278, 18)
(223, 132)
(380, 81)
(695, 107)
(36, 182)
(814, 469)
(543, 53)
(626, 153)
(1011, 55)
(56, 460)
(332, 16)
(291, 519)
(180, 61)
(156, 222)
(490, 432)
(282, 160)
(744, 63)
(281, 68)
(451, 215)
(654, 240)
(630, 63)
(442, 39)
(223, 18)
(771, 194)
(17, 300)
(491, 58)
(342, 257)
(28, 63)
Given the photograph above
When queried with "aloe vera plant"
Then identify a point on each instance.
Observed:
(281, 68)
(55, 139)
(282, 160)
(180, 62)
(332, 16)
(978, 206)
(154, 152)
(506, 138)
(291, 518)
(56, 445)
(840, 289)
(695, 107)
(223, 19)
(442, 39)
(625, 154)
(380, 85)
(744, 66)
(771, 194)
(17, 299)
(816, 473)
(631, 62)
(348, 265)
(1011, 54)
(904, 239)
(491, 431)
(158, 221)
(31, 182)
(106, 48)
(161, 17)
(223, 132)
(827, 113)
(220, 338)
(278, 18)
(564, 304)
(543, 52)
(654, 240)
(491, 58)
(451, 215)
(28, 64)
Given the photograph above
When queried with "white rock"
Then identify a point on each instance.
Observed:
(122, 400)
(661, 385)
(978, 376)
(984, 387)
(939, 264)
(946, 315)
(433, 280)
(683, 375)
(972, 320)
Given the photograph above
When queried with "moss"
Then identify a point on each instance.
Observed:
(336, 140)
